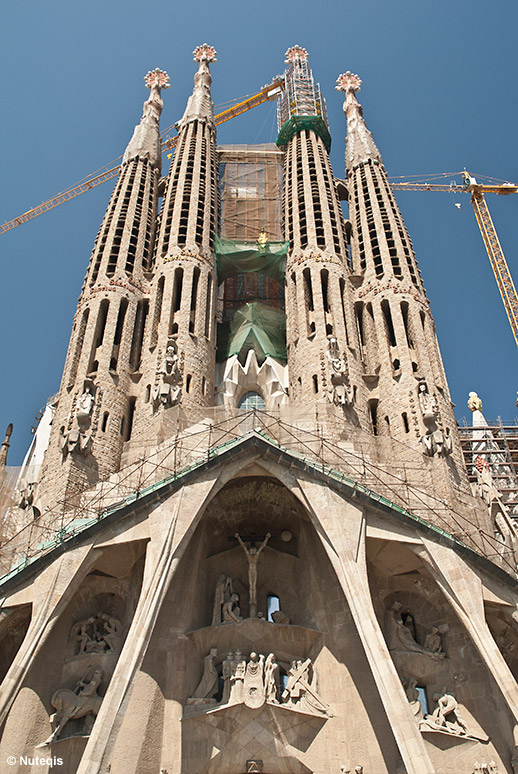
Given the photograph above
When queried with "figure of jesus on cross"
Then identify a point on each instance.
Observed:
(252, 555)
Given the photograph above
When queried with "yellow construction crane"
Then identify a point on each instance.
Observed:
(269, 92)
(487, 229)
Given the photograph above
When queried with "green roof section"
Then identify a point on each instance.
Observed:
(239, 257)
(297, 124)
(258, 327)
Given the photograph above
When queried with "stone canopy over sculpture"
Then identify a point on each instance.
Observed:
(257, 681)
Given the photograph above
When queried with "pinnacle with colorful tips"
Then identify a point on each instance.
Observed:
(360, 144)
(145, 141)
(200, 106)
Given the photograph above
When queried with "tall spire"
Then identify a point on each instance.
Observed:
(145, 142)
(199, 105)
(360, 145)
(5, 446)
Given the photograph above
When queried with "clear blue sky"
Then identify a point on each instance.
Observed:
(439, 94)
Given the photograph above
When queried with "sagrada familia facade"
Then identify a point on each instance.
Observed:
(246, 541)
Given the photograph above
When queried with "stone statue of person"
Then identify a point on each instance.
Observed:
(426, 403)
(399, 636)
(227, 671)
(222, 592)
(252, 555)
(412, 695)
(271, 678)
(238, 678)
(231, 610)
(208, 685)
(84, 406)
(170, 364)
(433, 641)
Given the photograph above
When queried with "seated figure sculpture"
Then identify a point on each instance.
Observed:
(400, 637)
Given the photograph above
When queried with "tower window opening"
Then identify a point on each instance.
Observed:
(406, 323)
(373, 411)
(308, 299)
(396, 364)
(127, 422)
(387, 425)
(176, 300)
(344, 316)
(315, 383)
(118, 333)
(148, 393)
(194, 295)
(324, 279)
(208, 309)
(273, 605)
(203, 385)
(423, 320)
(138, 334)
(104, 423)
(415, 367)
(157, 313)
(358, 307)
(188, 381)
(99, 334)
(404, 417)
(389, 325)
(78, 348)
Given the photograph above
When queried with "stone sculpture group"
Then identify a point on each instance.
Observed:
(83, 701)
(400, 636)
(257, 681)
(99, 633)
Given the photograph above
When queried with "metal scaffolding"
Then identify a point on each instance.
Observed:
(32, 535)
(494, 446)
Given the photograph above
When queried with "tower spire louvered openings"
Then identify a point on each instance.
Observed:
(95, 405)
(408, 393)
(321, 335)
(180, 339)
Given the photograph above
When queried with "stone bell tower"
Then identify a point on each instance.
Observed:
(408, 396)
(321, 333)
(179, 349)
(96, 401)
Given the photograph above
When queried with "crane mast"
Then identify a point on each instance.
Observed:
(496, 258)
(487, 229)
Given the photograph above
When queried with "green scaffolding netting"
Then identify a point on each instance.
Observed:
(296, 124)
(235, 257)
(255, 326)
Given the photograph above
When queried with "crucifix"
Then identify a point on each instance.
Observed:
(252, 555)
